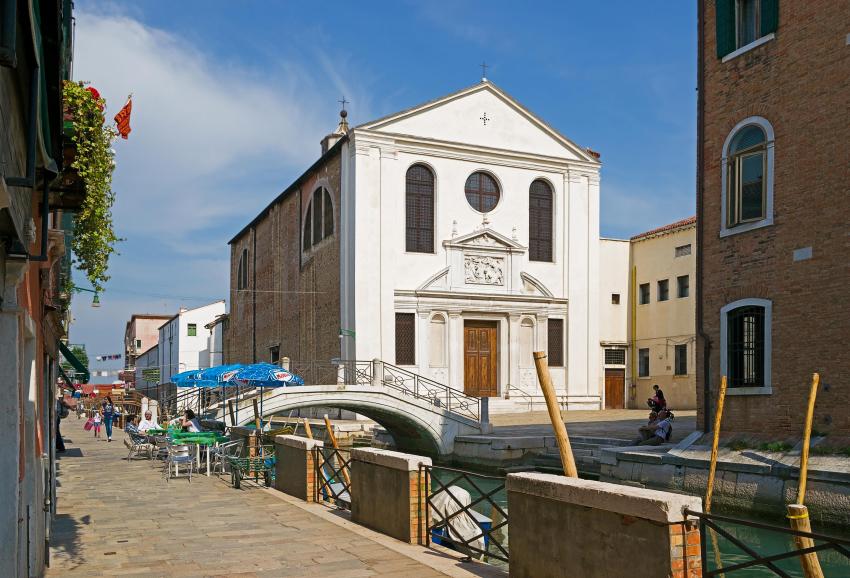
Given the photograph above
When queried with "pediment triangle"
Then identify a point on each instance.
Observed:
(483, 238)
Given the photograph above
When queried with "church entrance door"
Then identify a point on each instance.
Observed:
(481, 358)
(615, 386)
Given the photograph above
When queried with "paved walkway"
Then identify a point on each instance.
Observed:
(119, 518)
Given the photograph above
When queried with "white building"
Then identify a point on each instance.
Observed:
(147, 370)
(470, 238)
(184, 340)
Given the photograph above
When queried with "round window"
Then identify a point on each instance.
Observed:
(482, 192)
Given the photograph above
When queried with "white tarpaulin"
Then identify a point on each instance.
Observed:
(461, 528)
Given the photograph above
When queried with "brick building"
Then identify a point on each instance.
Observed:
(773, 182)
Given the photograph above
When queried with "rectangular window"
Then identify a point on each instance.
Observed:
(405, 339)
(644, 293)
(663, 290)
(739, 23)
(138, 344)
(745, 347)
(274, 354)
(684, 286)
(556, 342)
(192, 330)
(615, 298)
(615, 356)
(643, 363)
(683, 250)
(682, 359)
(746, 22)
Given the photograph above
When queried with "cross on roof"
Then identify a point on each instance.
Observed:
(343, 102)
(484, 68)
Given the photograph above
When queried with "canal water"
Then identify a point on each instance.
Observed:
(764, 542)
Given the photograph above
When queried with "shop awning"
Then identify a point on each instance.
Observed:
(65, 378)
(75, 363)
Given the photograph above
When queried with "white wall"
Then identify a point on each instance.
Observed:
(613, 278)
(178, 351)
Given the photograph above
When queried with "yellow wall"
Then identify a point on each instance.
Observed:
(661, 325)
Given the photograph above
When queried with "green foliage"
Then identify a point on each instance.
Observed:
(738, 445)
(775, 447)
(94, 238)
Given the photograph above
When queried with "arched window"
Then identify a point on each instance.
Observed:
(526, 343)
(540, 221)
(748, 176)
(419, 209)
(482, 192)
(745, 343)
(242, 273)
(319, 218)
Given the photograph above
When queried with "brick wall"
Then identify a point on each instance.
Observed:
(297, 296)
(799, 82)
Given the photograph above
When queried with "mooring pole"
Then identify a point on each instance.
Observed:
(334, 443)
(712, 468)
(567, 460)
(307, 430)
(798, 514)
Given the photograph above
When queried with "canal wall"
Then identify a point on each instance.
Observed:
(746, 481)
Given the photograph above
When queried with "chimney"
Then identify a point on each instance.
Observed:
(342, 128)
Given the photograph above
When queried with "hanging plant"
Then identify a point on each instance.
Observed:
(94, 238)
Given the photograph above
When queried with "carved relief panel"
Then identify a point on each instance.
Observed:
(482, 270)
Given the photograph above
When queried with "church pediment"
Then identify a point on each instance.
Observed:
(484, 239)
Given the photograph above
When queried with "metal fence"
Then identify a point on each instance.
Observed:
(332, 478)
(451, 522)
(712, 522)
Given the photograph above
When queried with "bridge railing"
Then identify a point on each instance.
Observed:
(438, 394)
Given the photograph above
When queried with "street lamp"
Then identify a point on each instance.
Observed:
(95, 302)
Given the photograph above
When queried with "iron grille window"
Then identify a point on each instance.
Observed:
(556, 342)
(644, 293)
(482, 192)
(684, 286)
(540, 221)
(745, 347)
(405, 339)
(682, 359)
(419, 209)
(683, 250)
(615, 356)
(643, 363)
(663, 290)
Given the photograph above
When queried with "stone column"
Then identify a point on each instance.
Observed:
(513, 354)
(624, 531)
(295, 469)
(385, 494)
(455, 377)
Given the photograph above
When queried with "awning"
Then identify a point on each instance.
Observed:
(65, 378)
(76, 363)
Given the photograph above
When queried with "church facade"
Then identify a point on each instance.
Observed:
(452, 239)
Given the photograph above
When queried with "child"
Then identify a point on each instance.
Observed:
(97, 420)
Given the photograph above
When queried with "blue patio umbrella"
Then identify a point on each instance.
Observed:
(265, 375)
(191, 374)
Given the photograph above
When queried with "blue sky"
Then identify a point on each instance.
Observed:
(232, 98)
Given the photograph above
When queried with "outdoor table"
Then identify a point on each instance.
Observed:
(201, 439)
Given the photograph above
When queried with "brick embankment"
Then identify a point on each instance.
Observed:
(120, 519)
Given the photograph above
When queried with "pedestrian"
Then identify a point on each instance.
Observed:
(97, 421)
(108, 416)
(61, 413)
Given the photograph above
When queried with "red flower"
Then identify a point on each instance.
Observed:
(95, 95)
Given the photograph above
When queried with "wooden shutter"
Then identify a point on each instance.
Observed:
(556, 342)
(405, 339)
(540, 222)
(419, 210)
(769, 16)
(724, 16)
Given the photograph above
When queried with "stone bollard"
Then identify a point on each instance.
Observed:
(385, 489)
(295, 470)
(569, 527)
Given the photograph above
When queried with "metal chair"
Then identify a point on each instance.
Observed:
(221, 455)
(137, 444)
(179, 454)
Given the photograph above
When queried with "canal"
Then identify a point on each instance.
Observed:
(764, 542)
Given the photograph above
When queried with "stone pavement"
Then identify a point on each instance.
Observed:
(119, 518)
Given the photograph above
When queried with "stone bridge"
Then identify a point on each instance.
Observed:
(420, 414)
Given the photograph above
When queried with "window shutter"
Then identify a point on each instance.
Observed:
(556, 342)
(724, 16)
(405, 339)
(769, 16)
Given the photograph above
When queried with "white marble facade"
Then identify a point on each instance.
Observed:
(480, 268)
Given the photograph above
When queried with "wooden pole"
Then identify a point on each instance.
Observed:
(567, 460)
(798, 514)
(718, 416)
(230, 410)
(307, 429)
(334, 443)
(258, 443)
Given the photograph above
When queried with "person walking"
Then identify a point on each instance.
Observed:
(61, 413)
(108, 415)
(97, 420)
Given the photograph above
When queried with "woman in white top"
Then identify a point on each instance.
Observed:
(190, 423)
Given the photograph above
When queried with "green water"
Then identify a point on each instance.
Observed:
(764, 542)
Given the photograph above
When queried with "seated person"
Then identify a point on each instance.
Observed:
(190, 423)
(148, 423)
(647, 430)
(132, 429)
(663, 430)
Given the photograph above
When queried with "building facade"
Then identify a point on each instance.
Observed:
(774, 176)
(184, 343)
(615, 308)
(35, 57)
(663, 323)
(453, 239)
(140, 334)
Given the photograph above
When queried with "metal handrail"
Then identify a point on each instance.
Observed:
(524, 394)
(443, 528)
(840, 545)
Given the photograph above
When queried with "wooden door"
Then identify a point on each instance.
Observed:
(481, 358)
(615, 388)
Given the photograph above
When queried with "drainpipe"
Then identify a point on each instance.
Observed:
(706, 392)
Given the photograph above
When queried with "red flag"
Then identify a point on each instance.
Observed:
(122, 119)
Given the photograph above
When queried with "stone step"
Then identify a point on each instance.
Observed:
(599, 441)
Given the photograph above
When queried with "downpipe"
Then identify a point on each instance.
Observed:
(706, 340)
